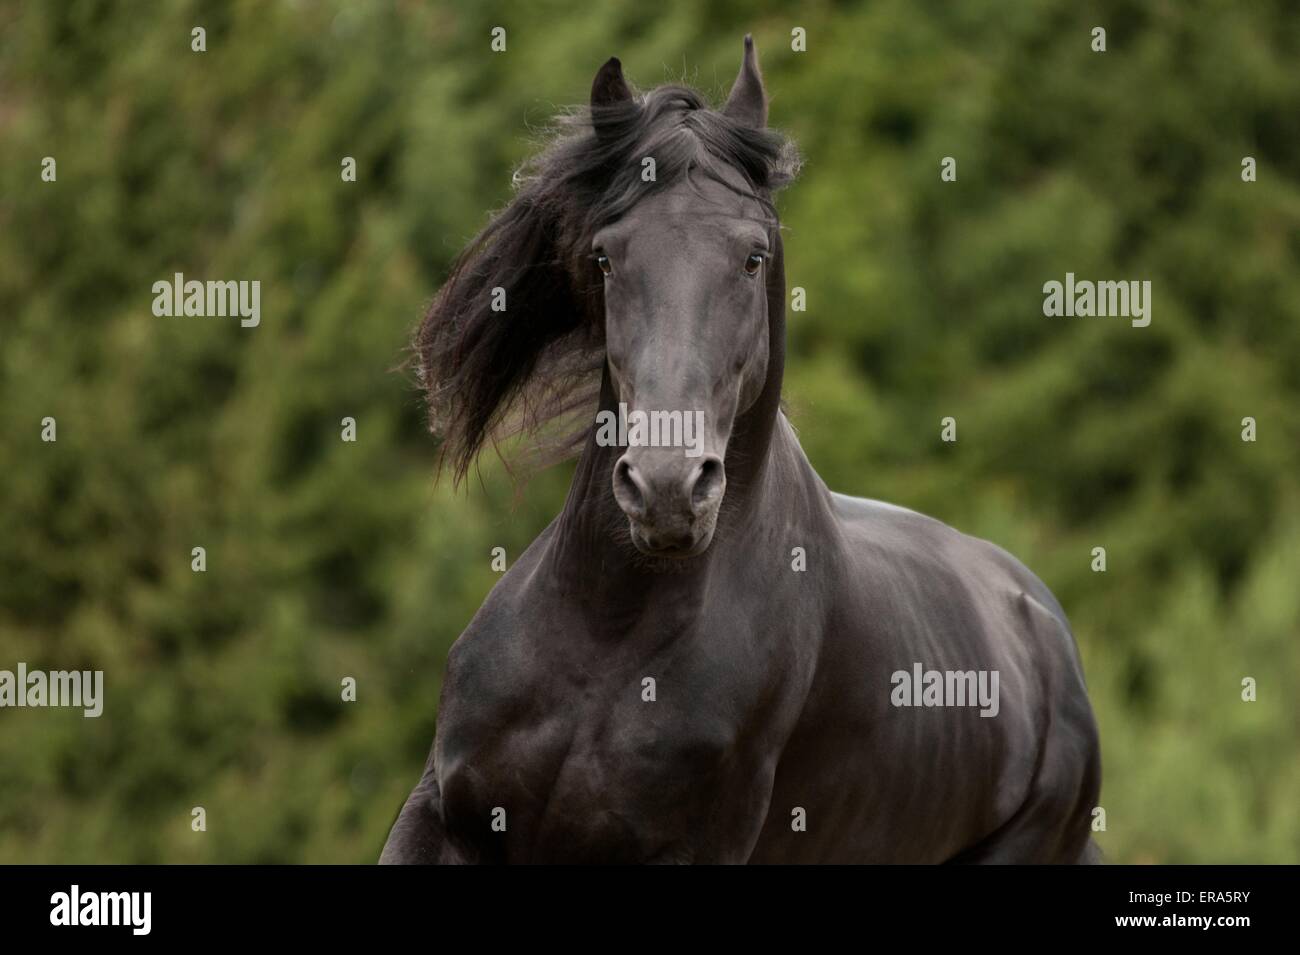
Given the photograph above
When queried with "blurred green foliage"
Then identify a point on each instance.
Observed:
(328, 559)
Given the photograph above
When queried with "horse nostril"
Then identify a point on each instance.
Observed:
(709, 481)
(628, 489)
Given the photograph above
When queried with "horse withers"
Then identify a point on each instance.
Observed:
(708, 656)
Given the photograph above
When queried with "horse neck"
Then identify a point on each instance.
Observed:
(591, 547)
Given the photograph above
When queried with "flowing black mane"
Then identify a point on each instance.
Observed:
(533, 368)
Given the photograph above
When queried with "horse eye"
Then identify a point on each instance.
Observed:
(753, 263)
(602, 263)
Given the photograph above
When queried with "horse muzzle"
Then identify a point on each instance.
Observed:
(671, 501)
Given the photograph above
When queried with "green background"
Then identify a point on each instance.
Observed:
(328, 559)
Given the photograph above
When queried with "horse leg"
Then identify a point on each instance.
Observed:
(1053, 824)
(1091, 854)
(418, 836)
(1046, 830)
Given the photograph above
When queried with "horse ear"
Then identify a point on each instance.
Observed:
(608, 89)
(748, 101)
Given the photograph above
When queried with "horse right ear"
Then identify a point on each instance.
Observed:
(608, 89)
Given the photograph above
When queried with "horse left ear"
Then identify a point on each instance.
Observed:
(747, 103)
(608, 89)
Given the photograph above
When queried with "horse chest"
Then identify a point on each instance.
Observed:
(598, 760)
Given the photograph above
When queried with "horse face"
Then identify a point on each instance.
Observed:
(685, 325)
(687, 346)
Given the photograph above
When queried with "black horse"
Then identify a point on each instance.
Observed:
(709, 656)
